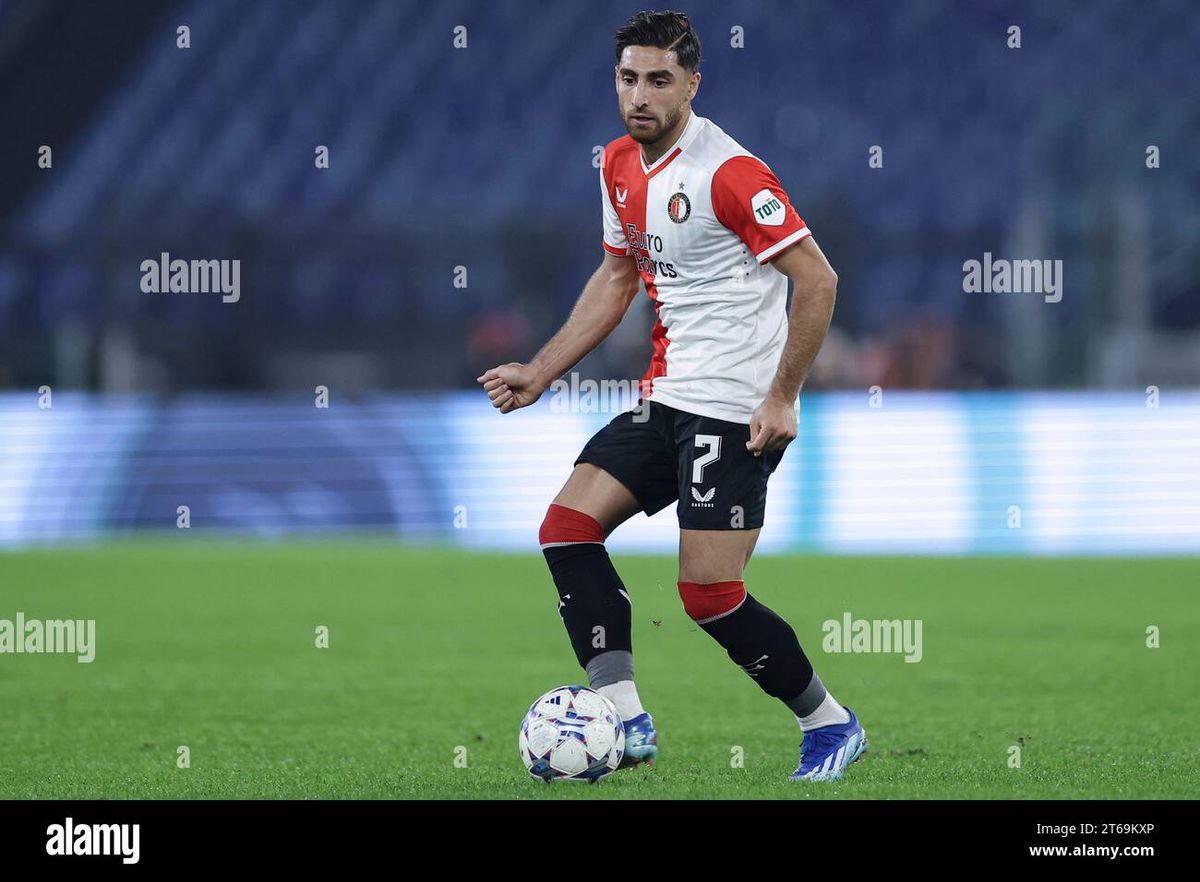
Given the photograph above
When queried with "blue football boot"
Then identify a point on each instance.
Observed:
(826, 752)
(641, 741)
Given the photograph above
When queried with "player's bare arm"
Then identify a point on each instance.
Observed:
(600, 308)
(774, 425)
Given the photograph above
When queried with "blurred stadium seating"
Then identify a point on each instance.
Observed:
(481, 157)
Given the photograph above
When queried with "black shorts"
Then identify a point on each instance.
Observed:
(663, 455)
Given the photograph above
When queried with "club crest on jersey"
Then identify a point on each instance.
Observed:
(767, 208)
(679, 207)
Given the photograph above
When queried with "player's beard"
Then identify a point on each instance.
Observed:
(652, 137)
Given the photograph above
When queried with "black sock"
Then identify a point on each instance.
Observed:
(765, 647)
(592, 600)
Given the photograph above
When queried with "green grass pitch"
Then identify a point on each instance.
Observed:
(434, 655)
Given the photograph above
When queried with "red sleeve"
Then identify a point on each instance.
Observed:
(748, 199)
(613, 236)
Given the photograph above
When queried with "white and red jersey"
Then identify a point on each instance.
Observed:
(703, 221)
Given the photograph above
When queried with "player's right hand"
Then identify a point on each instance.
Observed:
(511, 386)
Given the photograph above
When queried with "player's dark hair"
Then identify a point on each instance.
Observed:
(662, 30)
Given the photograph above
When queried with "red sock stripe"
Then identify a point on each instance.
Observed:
(711, 600)
(565, 526)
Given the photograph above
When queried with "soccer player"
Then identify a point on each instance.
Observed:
(709, 231)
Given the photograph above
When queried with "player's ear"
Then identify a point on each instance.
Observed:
(695, 85)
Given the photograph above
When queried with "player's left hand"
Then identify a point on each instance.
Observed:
(772, 426)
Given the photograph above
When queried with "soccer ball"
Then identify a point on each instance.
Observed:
(572, 733)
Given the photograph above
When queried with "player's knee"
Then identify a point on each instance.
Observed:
(705, 602)
(566, 526)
